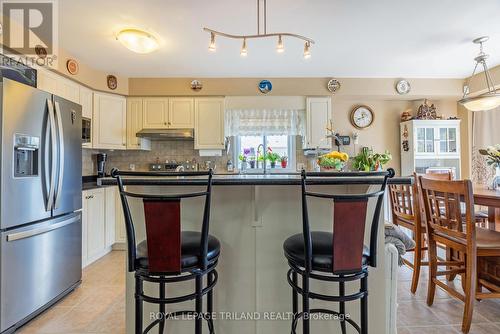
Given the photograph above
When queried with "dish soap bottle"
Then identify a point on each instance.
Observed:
(229, 166)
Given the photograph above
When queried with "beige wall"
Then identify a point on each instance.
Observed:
(90, 77)
(376, 88)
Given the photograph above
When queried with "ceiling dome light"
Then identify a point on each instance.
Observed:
(137, 40)
(280, 48)
(307, 50)
(211, 47)
(243, 51)
(490, 99)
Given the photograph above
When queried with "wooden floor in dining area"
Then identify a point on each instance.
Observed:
(445, 315)
(96, 306)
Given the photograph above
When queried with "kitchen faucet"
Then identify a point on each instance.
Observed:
(263, 156)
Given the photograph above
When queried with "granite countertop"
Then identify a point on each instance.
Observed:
(250, 179)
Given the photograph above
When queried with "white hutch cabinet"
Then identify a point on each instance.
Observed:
(430, 144)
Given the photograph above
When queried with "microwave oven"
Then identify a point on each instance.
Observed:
(86, 130)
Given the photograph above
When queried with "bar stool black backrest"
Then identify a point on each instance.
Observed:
(350, 213)
(162, 221)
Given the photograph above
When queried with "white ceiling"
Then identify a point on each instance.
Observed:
(354, 38)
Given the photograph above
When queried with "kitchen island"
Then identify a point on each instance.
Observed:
(251, 216)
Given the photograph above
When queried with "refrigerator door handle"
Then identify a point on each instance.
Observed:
(37, 231)
(61, 154)
(50, 197)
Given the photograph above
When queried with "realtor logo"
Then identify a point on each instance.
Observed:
(29, 30)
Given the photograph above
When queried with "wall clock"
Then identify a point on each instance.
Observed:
(403, 87)
(362, 117)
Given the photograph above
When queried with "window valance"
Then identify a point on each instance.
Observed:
(265, 122)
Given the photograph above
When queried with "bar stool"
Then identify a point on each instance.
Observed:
(170, 255)
(335, 257)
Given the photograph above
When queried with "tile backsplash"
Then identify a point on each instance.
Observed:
(162, 150)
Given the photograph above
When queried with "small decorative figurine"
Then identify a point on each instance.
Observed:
(426, 112)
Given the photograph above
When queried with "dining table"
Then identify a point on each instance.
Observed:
(484, 196)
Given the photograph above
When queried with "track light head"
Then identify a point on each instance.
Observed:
(280, 48)
(307, 50)
(243, 51)
(212, 47)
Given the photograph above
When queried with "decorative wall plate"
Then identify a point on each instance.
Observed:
(72, 66)
(196, 85)
(112, 82)
(333, 85)
(362, 117)
(403, 87)
(265, 86)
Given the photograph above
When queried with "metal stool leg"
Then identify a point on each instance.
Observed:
(295, 296)
(305, 304)
(161, 326)
(364, 305)
(342, 307)
(210, 301)
(138, 305)
(199, 305)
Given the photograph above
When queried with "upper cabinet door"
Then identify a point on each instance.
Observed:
(181, 113)
(134, 125)
(209, 123)
(86, 100)
(68, 89)
(47, 81)
(109, 122)
(319, 111)
(155, 113)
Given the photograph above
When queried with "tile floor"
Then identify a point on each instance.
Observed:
(445, 315)
(98, 306)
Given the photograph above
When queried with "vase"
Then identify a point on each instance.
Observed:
(243, 166)
(252, 164)
(496, 179)
(273, 164)
(284, 164)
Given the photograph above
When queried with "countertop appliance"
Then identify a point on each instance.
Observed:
(101, 164)
(41, 200)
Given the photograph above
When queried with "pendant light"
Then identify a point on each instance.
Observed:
(490, 99)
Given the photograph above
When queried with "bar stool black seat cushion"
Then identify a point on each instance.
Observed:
(190, 250)
(322, 250)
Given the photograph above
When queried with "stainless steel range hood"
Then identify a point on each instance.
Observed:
(166, 134)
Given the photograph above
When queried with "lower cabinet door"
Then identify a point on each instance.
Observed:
(96, 237)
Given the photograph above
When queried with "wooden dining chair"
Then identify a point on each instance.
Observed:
(406, 213)
(443, 216)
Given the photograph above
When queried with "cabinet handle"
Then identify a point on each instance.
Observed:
(169, 123)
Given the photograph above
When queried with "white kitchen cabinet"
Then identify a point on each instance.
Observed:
(93, 222)
(318, 115)
(47, 81)
(209, 123)
(134, 125)
(68, 89)
(155, 113)
(86, 101)
(430, 144)
(109, 122)
(181, 113)
(110, 225)
(120, 232)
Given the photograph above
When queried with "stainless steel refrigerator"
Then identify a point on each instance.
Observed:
(40, 201)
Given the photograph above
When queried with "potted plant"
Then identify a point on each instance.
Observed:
(333, 161)
(243, 158)
(272, 157)
(284, 161)
(368, 161)
(493, 160)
